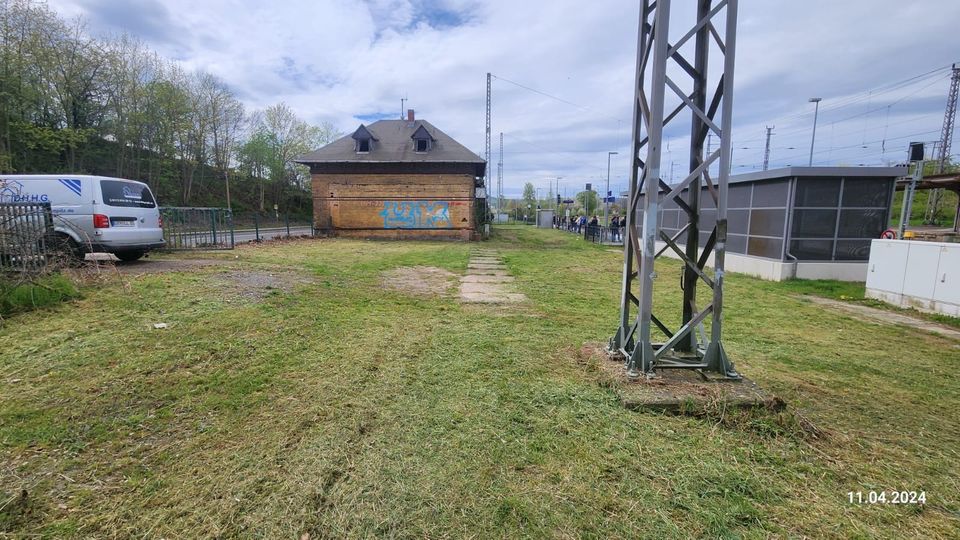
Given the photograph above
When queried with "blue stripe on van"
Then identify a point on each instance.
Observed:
(72, 185)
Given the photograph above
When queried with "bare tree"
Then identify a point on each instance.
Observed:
(226, 125)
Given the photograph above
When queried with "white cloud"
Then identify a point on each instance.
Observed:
(336, 59)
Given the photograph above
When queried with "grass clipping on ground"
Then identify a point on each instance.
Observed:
(419, 280)
(338, 407)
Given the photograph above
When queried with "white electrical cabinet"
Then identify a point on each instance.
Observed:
(921, 275)
(947, 286)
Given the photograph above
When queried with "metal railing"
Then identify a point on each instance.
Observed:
(597, 234)
(197, 228)
(26, 235)
(254, 226)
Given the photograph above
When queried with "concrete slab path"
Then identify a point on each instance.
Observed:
(487, 280)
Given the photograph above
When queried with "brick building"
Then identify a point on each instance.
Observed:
(396, 179)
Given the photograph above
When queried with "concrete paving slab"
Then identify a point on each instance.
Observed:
(684, 391)
(486, 280)
(486, 298)
(473, 266)
(481, 278)
(486, 288)
(486, 272)
(675, 391)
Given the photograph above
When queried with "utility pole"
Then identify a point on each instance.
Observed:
(500, 177)
(908, 192)
(558, 195)
(766, 151)
(946, 139)
(813, 138)
(606, 197)
(486, 175)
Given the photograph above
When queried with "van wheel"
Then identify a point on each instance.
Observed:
(129, 256)
(67, 249)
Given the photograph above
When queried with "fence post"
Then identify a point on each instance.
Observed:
(286, 218)
(256, 226)
(233, 242)
(213, 226)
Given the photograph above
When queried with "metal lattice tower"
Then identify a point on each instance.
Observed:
(766, 149)
(660, 65)
(486, 175)
(949, 115)
(946, 140)
(500, 177)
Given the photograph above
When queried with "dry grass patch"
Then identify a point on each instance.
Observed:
(419, 280)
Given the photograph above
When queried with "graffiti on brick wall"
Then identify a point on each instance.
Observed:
(416, 215)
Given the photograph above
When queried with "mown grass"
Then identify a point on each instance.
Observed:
(346, 409)
(855, 292)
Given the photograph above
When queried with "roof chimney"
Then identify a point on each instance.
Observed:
(410, 117)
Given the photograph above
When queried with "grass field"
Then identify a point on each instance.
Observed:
(338, 407)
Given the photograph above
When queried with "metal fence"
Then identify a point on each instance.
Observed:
(26, 235)
(253, 226)
(597, 234)
(220, 228)
(197, 228)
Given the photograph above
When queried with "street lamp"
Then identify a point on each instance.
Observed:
(606, 197)
(813, 137)
(558, 197)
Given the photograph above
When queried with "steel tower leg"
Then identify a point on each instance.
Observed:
(659, 66)
(486, 170)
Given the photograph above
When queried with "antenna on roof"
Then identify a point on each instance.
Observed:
(403, 100)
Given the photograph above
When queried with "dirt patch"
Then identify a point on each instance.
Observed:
(883, 316)
(419, 280)
(257, 285)
(156, 266)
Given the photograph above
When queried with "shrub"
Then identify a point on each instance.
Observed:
(41, 292)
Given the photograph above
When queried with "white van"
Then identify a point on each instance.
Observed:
(93, 213)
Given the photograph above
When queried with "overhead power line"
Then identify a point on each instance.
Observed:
(556, 98)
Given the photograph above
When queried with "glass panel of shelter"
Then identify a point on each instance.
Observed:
(836, 218)
(832, 218)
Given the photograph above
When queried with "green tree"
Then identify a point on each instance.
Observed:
(529, 195)
(255, 157)
(589, 201)
(73, 102)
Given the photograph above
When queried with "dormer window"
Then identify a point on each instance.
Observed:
(422, 140)
(364, 139)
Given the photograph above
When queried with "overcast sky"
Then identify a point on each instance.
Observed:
(881, 67)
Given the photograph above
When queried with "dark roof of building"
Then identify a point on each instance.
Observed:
(392, 145)
(362, 133)
(421, 133)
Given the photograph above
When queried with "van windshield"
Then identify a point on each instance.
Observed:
(126, 194)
